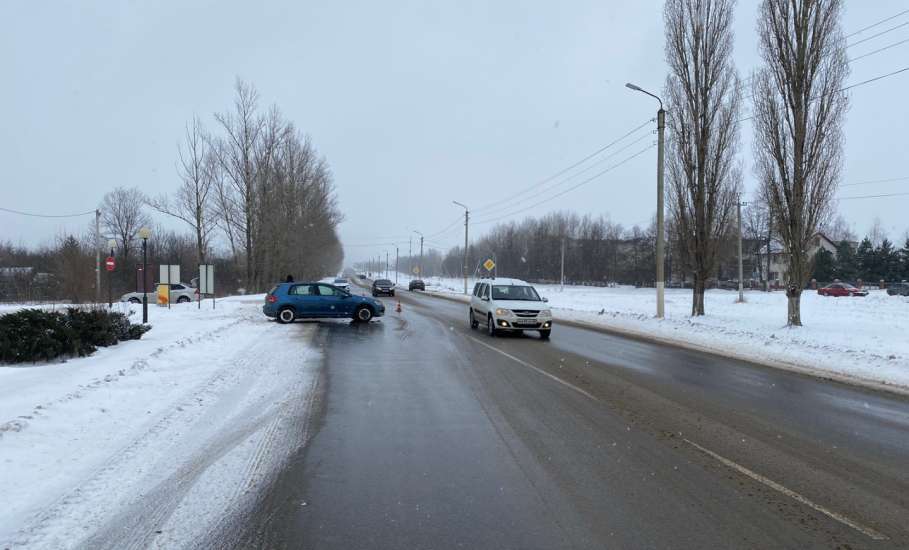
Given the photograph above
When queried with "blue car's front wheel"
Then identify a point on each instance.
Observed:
(363, 314)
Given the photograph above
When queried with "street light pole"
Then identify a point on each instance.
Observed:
(661, 127)
(396, 265)
(466, 223)
(144, 233)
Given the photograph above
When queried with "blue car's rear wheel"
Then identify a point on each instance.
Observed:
(286, 315)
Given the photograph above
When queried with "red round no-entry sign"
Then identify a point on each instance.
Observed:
(109, 263)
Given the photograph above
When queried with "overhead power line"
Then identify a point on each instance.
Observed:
(572, 188)
(33, 215)
(849, 87)
(870, 80)
(873, 36)
(879, 50)
(873, 196)
(888, 180)
(568, 168)
(881, 22)
(532, 196)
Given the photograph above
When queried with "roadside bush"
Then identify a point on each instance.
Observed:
(33, 335)
(37, 335)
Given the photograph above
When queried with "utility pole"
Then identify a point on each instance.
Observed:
(466, 222)
(396, 265)
(741, 287)
(97, 256)
(421, 254)
(661, 127)
(562, 276)
(386, 264)
(661, 130)
(410, 256)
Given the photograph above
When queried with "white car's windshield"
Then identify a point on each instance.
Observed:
(509, 292)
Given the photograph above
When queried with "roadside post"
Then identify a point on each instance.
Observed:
(170, 274)
(110, 265)
(207, 283)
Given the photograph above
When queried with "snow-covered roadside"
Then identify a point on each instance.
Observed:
(156, 441)
(865, 340)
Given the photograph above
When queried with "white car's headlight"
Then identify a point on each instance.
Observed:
(545, 313)
(503, 312)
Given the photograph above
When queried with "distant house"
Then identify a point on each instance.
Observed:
(779, 258)
(16, 272)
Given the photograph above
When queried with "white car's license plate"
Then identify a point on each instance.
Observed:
(525, 322)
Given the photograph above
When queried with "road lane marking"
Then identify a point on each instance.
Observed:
(789, 492)
(539, 370)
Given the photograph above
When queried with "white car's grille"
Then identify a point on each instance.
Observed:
(525, 312)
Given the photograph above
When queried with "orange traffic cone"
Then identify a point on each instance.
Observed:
(398, 307)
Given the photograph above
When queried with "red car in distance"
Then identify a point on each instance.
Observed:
(841, 289)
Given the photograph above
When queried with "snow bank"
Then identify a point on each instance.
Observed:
(866, 339)
(103, 450)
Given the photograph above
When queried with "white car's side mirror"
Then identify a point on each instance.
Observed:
(545, 299)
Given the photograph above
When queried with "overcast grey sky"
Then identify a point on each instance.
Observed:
(415, 104)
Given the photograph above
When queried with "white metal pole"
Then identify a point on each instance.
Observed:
(97, 256)
(741, 287)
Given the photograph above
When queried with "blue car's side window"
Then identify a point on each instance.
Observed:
(301, 290)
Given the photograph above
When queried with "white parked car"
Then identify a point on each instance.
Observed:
(341, 282)
(509, 305)
(179, 293)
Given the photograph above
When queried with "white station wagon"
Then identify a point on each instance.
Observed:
(509, 305)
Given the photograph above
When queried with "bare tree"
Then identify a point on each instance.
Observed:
(192, 202)
(704, 98)
(242, 129)
(798, 116)
(758, 226)
(839, 230)
(122, 215)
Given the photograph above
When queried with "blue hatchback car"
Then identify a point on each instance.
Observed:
(289, 301)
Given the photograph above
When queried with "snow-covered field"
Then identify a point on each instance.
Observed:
(153, 442)
(864, 339)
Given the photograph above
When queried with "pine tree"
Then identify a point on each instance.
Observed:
(888, 261)
(824, 266)
(904, 261)
(866, 260)
(845, 267)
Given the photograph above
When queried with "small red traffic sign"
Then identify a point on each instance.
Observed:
(109, 263)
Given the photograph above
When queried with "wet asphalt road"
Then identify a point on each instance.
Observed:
(431, 435)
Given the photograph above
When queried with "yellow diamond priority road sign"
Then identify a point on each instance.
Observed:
(489, 264)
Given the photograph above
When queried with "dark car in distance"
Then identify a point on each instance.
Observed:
(416, 284)
(287, 302)
(898, 289)
(383, 287)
